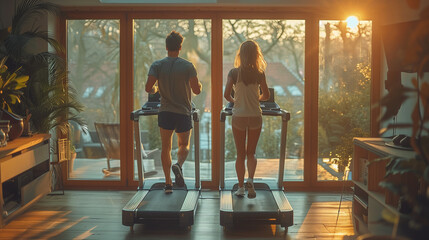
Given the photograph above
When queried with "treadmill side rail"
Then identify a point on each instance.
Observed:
(285, 209)
(189, 208)
(226, 201)
(226, 211)
(191, 201)
(129, 211)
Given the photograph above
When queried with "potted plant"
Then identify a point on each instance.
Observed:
(48, 96)
(11, 85)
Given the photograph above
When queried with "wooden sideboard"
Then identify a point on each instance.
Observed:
(372, 204)
(24, 174)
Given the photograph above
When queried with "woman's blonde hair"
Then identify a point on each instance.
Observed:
(249, 55)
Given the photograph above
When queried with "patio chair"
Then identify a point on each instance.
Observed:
(109, 133)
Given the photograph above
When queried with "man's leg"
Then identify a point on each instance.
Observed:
(166, 139)
(183, 142)
(182, 154)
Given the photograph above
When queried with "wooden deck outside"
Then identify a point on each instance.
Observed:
(91, 169)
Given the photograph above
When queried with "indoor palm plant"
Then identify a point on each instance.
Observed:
(48, 96)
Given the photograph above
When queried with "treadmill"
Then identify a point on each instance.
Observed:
(151, 203)
(270, 205)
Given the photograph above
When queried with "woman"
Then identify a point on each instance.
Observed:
(247, 79)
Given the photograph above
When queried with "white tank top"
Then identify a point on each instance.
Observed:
(246, 98)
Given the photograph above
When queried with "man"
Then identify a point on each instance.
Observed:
(176, 79)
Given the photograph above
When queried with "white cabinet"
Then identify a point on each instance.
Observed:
(370, 200)
(24, 174)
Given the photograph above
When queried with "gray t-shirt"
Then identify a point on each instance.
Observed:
(173, 76)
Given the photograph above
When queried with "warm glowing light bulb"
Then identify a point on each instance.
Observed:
(352, 22)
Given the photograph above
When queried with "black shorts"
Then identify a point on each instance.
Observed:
(174, 121)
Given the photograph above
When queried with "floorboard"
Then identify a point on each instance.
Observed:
(98, 215)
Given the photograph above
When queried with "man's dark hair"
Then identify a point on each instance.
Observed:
(173, 41)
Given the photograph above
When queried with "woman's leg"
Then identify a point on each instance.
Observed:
(252, 142)
(240, 144)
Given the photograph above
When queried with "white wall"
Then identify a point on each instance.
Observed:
(399, 11)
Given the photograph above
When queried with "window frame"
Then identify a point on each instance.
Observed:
(216, 14)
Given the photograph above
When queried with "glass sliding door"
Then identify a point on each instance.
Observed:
(149, 46)
(93, 65)
(344, 93)
(282, 44)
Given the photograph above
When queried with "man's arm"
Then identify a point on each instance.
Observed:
(150, 88)
(195, 85)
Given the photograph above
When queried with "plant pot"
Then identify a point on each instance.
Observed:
(16, 122)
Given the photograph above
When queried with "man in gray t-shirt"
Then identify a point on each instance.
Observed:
(173, 74)
(176, 78)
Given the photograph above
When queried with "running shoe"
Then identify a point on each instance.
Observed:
(177, 170)
(168, 188)
(251, 193)
(240, 192)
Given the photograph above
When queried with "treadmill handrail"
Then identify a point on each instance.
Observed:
(285, 115)
(135, 117)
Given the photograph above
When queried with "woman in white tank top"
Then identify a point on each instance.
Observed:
(246, 79)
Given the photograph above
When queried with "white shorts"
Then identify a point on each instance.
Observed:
(243, 123)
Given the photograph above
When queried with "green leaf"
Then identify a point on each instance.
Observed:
(14, 99)
(3, 69)
(424, 99)
(21, 82)
(403, 165)
(395, 188)
(424, 142)
(426, 174)
(393, 101)
(378, 160)
(415, 116)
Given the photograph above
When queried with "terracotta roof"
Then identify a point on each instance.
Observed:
(276, 74)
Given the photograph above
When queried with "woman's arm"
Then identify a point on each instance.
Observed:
(228, 89)
(265, 92)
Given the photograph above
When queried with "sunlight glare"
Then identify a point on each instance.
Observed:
(352, 22)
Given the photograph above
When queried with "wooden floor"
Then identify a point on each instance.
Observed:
(97, 215)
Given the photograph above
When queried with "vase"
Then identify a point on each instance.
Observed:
(16, 123)
(3, 141)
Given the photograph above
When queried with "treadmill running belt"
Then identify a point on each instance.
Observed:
(159, 201)
(264, 202)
